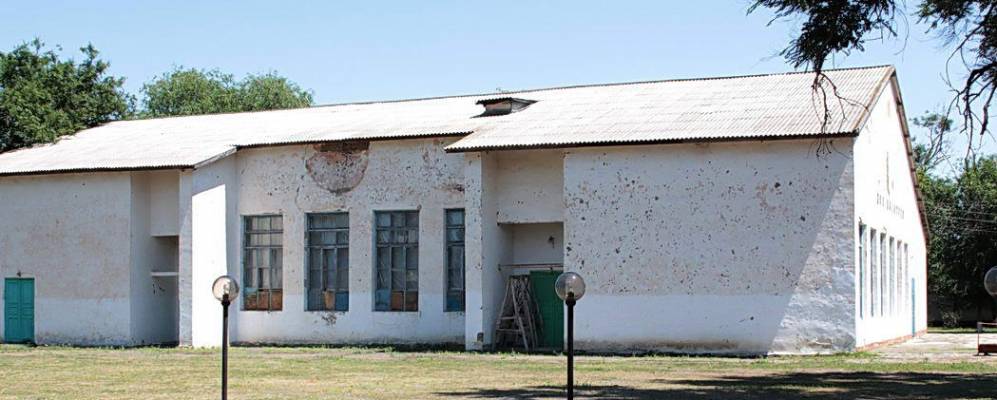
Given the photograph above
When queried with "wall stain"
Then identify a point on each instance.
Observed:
(329, 318)
(338, 167)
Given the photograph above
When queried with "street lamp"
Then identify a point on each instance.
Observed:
(225, 289)
(990, 282)
(570, 287)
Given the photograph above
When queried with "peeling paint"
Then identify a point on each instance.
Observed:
(329, 318)
(338, 167)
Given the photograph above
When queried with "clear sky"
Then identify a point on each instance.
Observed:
(371, 50)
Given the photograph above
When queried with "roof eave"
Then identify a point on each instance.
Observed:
(607, 143)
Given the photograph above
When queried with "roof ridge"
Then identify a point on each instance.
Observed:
(508, 93)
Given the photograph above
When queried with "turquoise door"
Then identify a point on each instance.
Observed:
(19, 310)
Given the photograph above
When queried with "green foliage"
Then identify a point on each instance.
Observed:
(927, 156)
(842, 26)
(962, 217)
(43, 97)
(831, 26)
(194, 91)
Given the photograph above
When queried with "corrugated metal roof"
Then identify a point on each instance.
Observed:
(659, 111)
(700, 109)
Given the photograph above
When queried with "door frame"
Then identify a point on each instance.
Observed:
(6, 326)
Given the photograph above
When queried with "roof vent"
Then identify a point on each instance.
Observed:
(504, 106)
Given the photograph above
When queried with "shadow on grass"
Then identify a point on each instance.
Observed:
(821, 386)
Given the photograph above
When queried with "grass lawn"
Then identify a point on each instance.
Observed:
(959, 330)
(379, 373)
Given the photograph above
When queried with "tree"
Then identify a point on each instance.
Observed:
(962, 217)
(194, 91)
(928, 155)
(843, 26)
(43, 97)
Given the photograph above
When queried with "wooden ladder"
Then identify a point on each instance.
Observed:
(517, 321)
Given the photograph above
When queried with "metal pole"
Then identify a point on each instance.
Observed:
(225, 304)
(571, 345)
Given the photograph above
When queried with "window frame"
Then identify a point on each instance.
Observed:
(449, 246)
(407, 305)
(892, 276)
(247, 247)
(883, 278)
(337, 247)
(874, 251)
(863, 259)
(907, 279)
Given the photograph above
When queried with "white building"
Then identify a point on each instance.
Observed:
(708, 215)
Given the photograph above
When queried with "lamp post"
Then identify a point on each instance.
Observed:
(225, 289)
(570, 287)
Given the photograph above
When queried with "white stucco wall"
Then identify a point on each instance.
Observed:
(153, 299)
(885, 201)
(71, 232)
(487, 246)
(729, 247)
(209, 231)
(389, 175)
(530, 186)
(164, 203)
(536, 243)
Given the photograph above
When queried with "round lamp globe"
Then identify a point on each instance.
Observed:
(990, 282)
(569, 285)
(225, 288)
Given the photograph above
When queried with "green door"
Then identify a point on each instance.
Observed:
(551, 308)
(19, 310)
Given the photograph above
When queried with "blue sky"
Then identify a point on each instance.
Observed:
(388, 50)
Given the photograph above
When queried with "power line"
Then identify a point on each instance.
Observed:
(982, 221)
(956, 210)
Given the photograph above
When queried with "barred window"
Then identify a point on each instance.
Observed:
(455, 259)
(397, 261)
(328, 259)
(262, 262)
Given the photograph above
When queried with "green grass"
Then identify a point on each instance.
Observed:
(957, 330)
(373, 373)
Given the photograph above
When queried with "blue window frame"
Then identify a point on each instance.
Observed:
(327, 239)
(455, 259)
(396, 261)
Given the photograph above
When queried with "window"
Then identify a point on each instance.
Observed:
(455, 259)
(891, 286)
(397, 261)
(907, 285)
(862, 261)
(874, 272)
(901, 291)
(882, 273)
(262, 262)
(328, 252)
